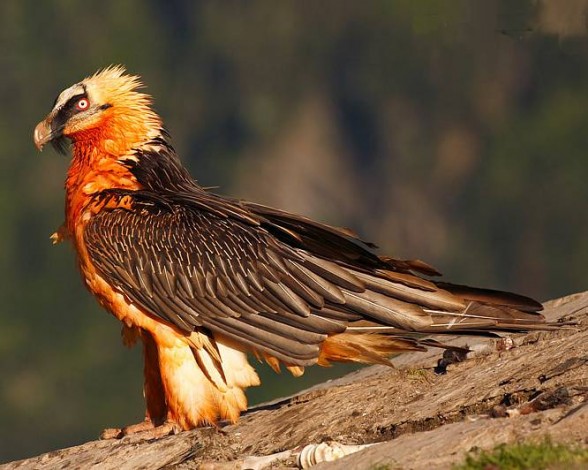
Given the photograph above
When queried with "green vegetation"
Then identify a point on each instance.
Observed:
(527, 456)
(418, 375)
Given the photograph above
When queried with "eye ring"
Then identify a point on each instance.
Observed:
(82, 104)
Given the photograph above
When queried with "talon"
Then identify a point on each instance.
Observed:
(168, 428)
(143, 426)
(144, 430)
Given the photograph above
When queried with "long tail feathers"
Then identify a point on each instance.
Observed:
(399, 309)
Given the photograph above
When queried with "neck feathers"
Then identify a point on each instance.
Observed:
(117, 134)
(140, 163)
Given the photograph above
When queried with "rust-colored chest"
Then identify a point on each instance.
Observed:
(89, 175)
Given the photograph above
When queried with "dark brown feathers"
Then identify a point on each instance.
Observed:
(278, 283)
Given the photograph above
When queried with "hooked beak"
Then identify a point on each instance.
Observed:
(43, 133)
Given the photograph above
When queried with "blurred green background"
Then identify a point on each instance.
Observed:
(453, 131)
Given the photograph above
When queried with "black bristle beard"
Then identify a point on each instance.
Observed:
(61, 144)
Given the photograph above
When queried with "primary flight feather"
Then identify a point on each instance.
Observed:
(202, 279)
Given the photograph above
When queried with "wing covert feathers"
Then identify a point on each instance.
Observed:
(249, 281)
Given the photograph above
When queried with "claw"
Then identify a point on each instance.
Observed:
(145, 430)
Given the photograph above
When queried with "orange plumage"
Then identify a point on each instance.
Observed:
(201, 279)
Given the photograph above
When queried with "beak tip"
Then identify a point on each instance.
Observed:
(41, 135)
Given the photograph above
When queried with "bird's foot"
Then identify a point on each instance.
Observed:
(145, 430)
(60, 234)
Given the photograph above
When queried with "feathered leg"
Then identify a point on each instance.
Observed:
(153, 387)
(155, 424)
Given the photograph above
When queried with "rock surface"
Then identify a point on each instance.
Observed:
(524, 386)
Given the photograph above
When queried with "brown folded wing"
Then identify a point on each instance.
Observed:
(275, 282)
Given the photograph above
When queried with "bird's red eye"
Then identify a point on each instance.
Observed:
(82, 104)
